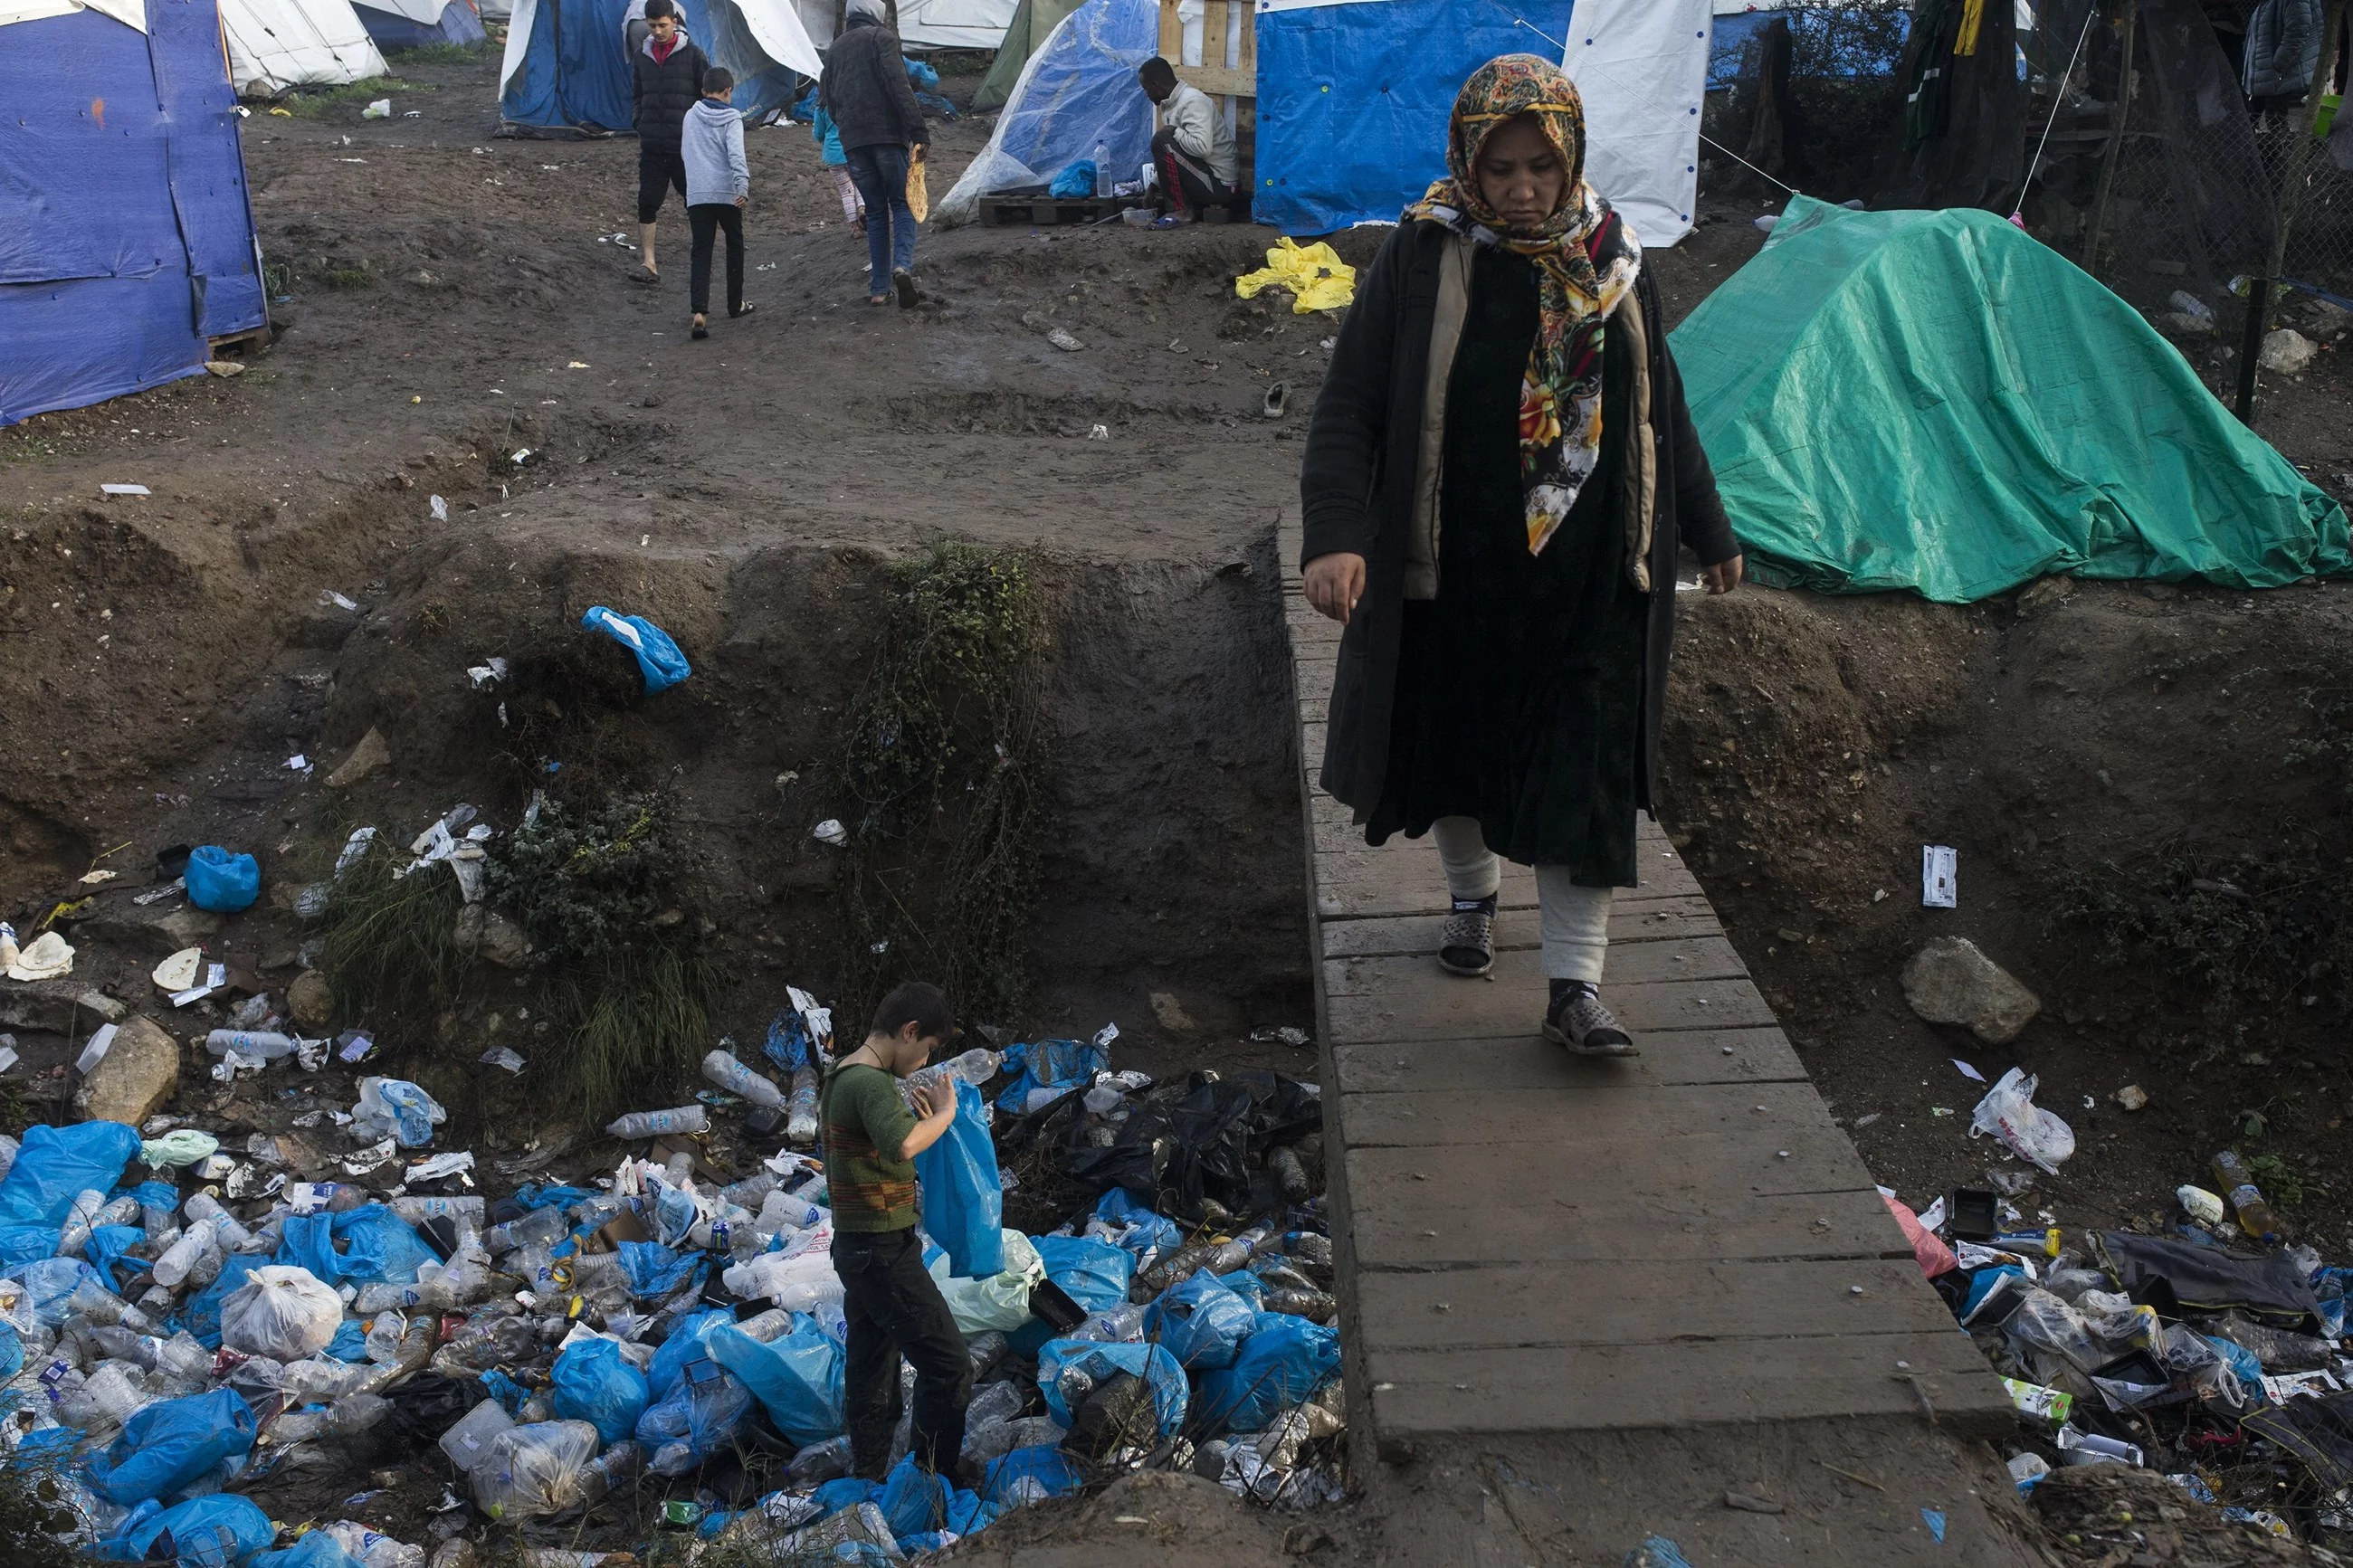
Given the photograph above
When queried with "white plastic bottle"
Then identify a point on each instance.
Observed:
(722, 1068)
(205, 1206)
(268, 1046)
(181, 1257)
(1103, 181)
(654, 1123)
(800, 1117)
(976, 1066)
(80, 1218)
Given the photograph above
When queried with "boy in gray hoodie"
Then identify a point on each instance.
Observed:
(718, 183)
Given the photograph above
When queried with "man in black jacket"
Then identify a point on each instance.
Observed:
(669, 82)
(865, 89)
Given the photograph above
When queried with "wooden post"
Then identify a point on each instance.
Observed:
(2121, 114)
(2261, 291)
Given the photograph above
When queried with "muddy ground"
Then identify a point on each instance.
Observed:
(456, 299)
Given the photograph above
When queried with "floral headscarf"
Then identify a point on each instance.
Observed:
(1585, 260)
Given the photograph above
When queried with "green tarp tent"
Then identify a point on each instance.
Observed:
(1935, 401)
(1031, 23)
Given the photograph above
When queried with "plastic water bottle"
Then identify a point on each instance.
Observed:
(81, 1217)
(268, 1046)
(655, 1123)
(181, 1257)
(800, 1115)
(2255, 1216)
(1102, 169)
(780, 1211)
(95, 1302)
(1230, 1255)
(976, 1066)
(724, 1069)
(205, 1207)
(539, 1225)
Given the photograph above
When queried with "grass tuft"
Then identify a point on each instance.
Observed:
(443, 54)
(389, 944)
(939, 780)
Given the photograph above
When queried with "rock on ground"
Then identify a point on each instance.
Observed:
(139, 1074)
(2287, 351)
(311, 999)
(370, 754)
(56, 1007)
(488, 934)
(1951, 981)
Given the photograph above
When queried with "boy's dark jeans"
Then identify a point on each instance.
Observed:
(705, 219)
(893, 1308)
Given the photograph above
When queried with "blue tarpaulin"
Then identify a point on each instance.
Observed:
(567, 62)
(392, 29)
(1354, 100)
(1078, 93)
(128, 240)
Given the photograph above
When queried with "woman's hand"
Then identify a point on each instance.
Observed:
(1723, 577)
(1335, 583)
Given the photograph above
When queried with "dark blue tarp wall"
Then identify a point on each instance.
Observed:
(575, 73)
(390, 30)
(129, 240)
(1354, 100)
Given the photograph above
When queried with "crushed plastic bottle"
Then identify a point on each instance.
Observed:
(800, 1110)
(639, 1124)
(722, 1068)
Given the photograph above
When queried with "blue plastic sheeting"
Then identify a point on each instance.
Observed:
(12, 1352)
(1078, 92)
(1100, 1361)
(1052, 1468)
(593, 1382)
(316, 1549)
(1354, 100)
(705, 1409)
(962, 1197)
(1201, 1322)
(221, 881)
(390, 30)
(1094, 1274)
(204, 1310)
(58, 1163)
(128, 240)
(216, 1531)
(171, 1444)
(657, 652)
(1285, 1363)
(1049, 1064)
(653, 1270)
(576, 70)
(24, 1243)
(690, 1340)
(797, 1379)
(368, 1243)
(105, 1250)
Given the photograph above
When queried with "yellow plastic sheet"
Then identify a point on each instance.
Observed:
(1317, 276)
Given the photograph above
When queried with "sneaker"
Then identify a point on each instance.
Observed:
(1577, 1020)
(1466, 944)
(904, 283)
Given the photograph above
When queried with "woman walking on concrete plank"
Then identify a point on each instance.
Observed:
(1499, 475)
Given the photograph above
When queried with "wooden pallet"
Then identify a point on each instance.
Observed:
(1050, 211)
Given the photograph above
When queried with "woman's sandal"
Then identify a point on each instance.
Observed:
(741, 313)
(1467, 943)
(701, 328)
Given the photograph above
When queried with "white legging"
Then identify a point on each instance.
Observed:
(1576, 919)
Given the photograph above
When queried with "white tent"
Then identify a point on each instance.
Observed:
(954, 23)
(274, 45)
(816, 19)
(1642, 67)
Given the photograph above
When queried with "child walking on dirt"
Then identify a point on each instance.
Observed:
(891, 1303)
(829, 150)
(718, 183)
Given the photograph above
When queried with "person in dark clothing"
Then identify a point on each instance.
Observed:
(865, 89)
(718, 183)
(669, 82)
(1499, 474)
(891, 1303)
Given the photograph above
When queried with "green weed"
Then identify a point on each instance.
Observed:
(939, 781)
(438, 54)
(2281, 1183)
(331, 102)
(389, 943)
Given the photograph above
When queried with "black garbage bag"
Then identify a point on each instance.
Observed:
(1117, 1415)
(2180, 1277)
(1204, 1143)
(425, 1405)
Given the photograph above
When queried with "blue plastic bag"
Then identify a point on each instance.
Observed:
(167, 1445)
(220, 881)
(846, 1491)
(203, 1318)
(532, 1196)
(2241, 1360)
(788, 1044)
(316, 1549)
(657, 656)
(1201, 1322)
(914, 1498)
(703, 1411)
(24, 1243)
(350, 1343)
(1245, 1283)
(1050, 1470)
(1100, 1360)
(688, 1341)
(12, 1352)
(52, 1282)
(367, 1243)
(216, 1531)
(797, 1379)
(1094, 1274)
(59, 1163)
(1077, 180)
(922, 74)
(105, 1248)
(1049, 1064)
(653, 1270)
(962, 1197)
(593, 1382)
(1287, 1362)
(509, 1394)
(1142, 1233)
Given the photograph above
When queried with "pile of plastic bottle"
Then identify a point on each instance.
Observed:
(566, 1349)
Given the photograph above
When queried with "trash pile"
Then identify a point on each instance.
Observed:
(179, 1323)
(2212, 1355)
